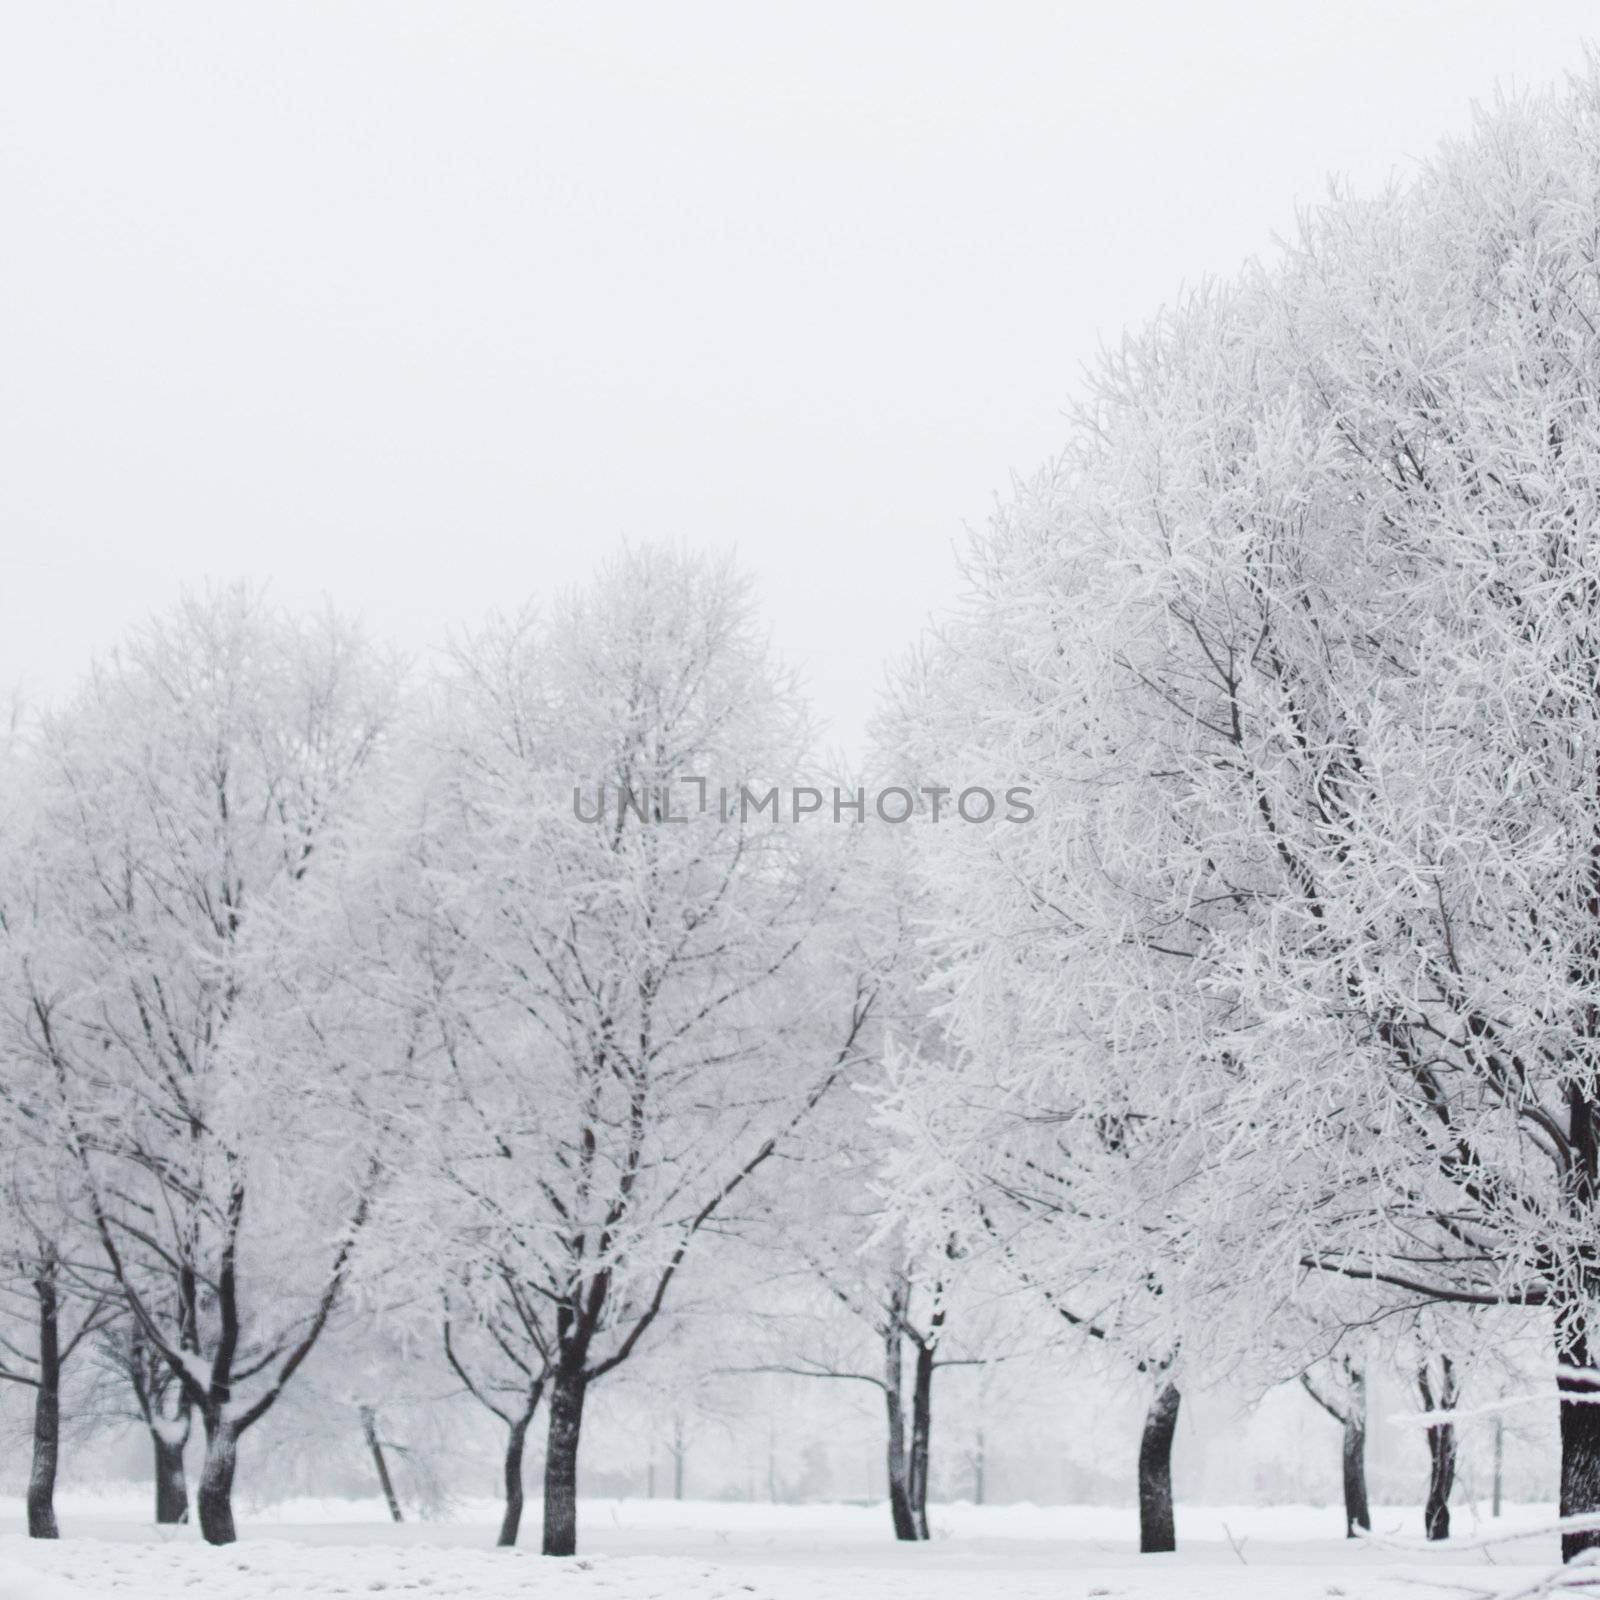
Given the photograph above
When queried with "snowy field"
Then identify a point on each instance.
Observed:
(660, 1550)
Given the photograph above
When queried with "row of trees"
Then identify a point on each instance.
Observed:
(1275, 1030)
(326, 1017)
(316, 995)
(1286, 1011)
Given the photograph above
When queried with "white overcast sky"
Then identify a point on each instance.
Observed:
(423, 307)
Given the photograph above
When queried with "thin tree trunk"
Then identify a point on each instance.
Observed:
(680, 1450)
(1441, 1449)
(1499, 1463)
(921, 1436)
(1441, 1477)
(216, 1480)
(980, 1466)
(369, 1432)
(46, 1412)
(1356, 1514)
(1350, 1412)
(900, 1514)
(1354, 1423)
(516, 1440)
(1156, 1530)
(561, 1464)
(169, 1435)
(172, 1484)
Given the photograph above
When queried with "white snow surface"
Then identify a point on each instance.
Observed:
(703, 1550)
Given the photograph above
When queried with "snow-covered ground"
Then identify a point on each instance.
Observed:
(700, 1550)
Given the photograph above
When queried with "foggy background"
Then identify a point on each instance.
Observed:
(422, 307)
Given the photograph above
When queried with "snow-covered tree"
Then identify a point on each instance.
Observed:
(631, 1002)
(1049, 1154)
(849, 1296)
(496, 1343)
(1041, 1194)
(177, 989)
(48, 1306)
(46, 1314)
(870, 1280)
(1299, 644)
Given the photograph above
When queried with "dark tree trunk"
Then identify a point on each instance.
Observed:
(216, 1480)
(154, 1384)
(900, 1512)
(1356, 1514)
(1349, 1410)
(1441, 1448)
(46, 1413)
(1441, 1477)
(380, 1461)
(1156, 1530)
(921, 1436)
(1499, 1463)
(1579, 1391)
(1354, 1422)
(561, 1464)
(172, 1485)
(516, 1440)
